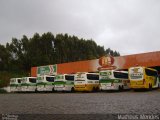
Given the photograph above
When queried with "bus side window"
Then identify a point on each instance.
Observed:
(69, 78)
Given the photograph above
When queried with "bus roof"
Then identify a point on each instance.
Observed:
(144, 68)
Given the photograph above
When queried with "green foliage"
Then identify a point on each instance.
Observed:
(5, 77)
(3, 91)
(22, 54)
(112, 53)
(17, 57)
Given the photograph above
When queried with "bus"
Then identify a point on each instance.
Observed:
(64, 82)
(114, 80)
(15, 84)
(159, 80)
(28, 84)
(45, 83)
(88, 82)
(143, 77)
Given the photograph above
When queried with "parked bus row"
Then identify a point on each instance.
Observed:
(134, 78)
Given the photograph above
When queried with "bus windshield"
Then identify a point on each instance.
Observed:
(32, 80)
(69, 77)
(136, 73)
(120, 75)
(19, 80)
(92, 77)
(50, 79)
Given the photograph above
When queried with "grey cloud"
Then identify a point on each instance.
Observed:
(126, 26)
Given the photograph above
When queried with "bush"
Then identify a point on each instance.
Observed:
(5, 77)
(2, 90)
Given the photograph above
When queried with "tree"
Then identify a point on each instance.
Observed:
(22, 54)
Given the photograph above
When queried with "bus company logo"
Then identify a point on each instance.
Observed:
(135, 70)
(106, 62)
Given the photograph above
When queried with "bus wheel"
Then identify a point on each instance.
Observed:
(119, 88)
(72, 89)
(150, 87)
(93, 89)
(97, 89)
(53, 90)
(122, 88)
(36, 90)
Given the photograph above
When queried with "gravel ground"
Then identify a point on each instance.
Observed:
(130, 102)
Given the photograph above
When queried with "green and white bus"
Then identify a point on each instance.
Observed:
(15, 84)
(45, 83)
(114, 80)
(64, 82)
(28, 84)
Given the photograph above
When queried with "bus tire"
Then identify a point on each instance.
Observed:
(97, 89)
(53, 90)
(119, 88)
(72, 89)
(122, 88)
(158, 85)
(150, 87)
(36, 90)
(93, 89)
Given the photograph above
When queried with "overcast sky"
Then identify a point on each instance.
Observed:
(128, 26)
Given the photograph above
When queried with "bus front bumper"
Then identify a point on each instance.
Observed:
(63, 88)
(13, 89)
(49, 88)
(82, 88)
(40, 88)
(104, 87)
(137, 86)
(28, 88)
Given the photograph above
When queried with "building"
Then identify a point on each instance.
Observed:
(150, 59)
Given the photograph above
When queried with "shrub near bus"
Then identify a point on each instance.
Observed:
(114, 80)
(28, 84)
(86, 82)
(45, 83)
(143, 77)
(64, 82)
(15, 84)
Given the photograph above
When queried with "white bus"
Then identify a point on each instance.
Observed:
(28, 84)
(45, 83)
(64, 82)
(86, 82)
(15, 84)
(114, 80)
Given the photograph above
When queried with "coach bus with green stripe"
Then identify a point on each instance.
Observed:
(28, 84)
(15, 84)
(45, 83)
(64, 82)
(114, 80)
